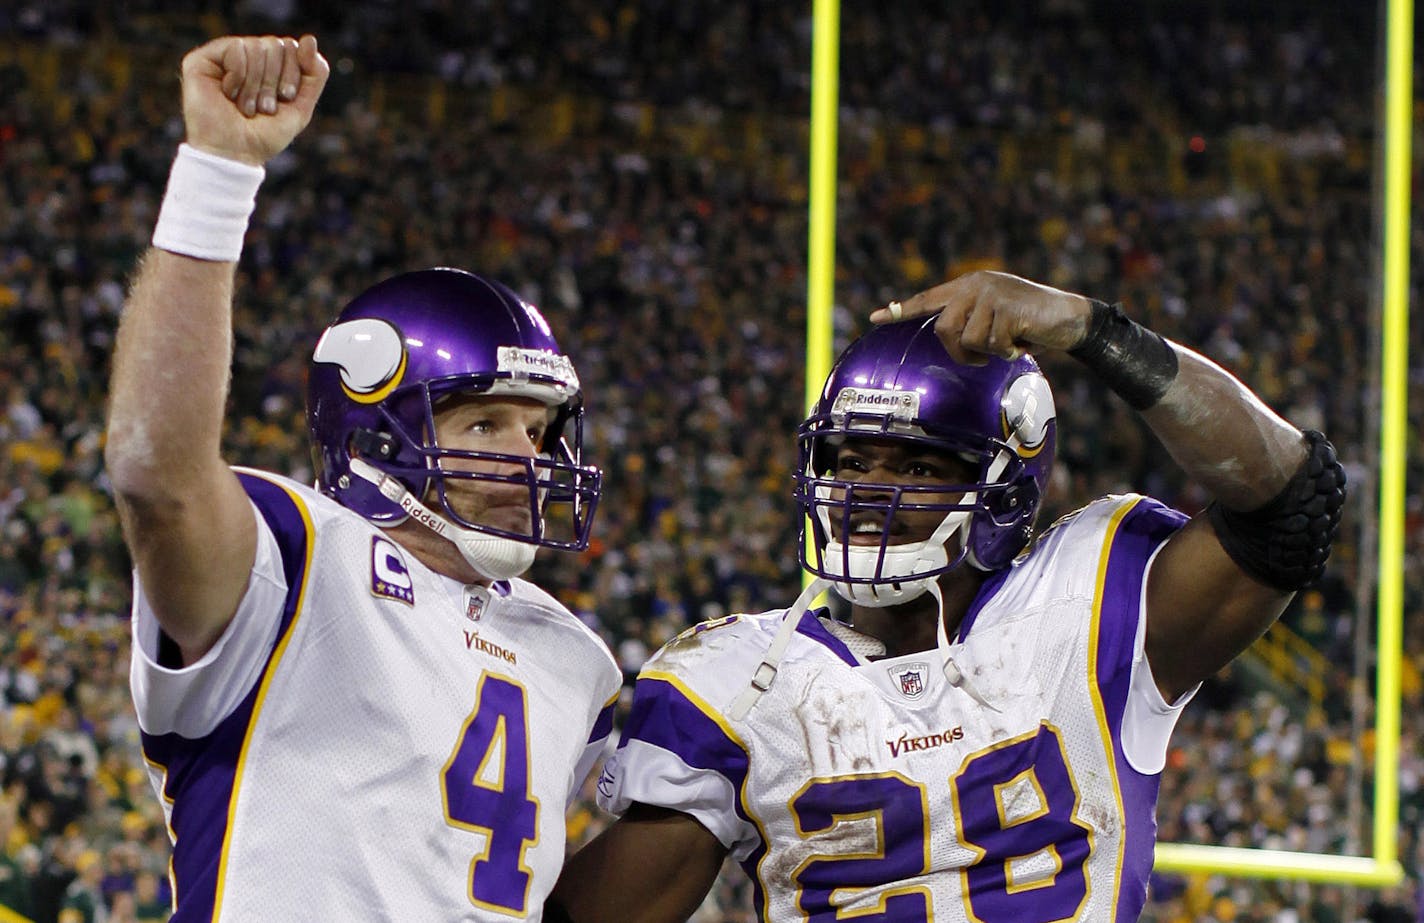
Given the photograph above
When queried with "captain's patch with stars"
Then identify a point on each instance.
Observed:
(389, 575)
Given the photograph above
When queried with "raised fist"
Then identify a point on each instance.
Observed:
(247, 97)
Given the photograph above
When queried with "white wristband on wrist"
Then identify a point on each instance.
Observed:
(207, 205)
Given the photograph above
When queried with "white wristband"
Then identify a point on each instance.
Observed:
(206, 207)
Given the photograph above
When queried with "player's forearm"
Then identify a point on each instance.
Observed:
(1278, 492)
(170, 373)
(1223, 436)
(1215, 428)
(652, 865)
(175, 340)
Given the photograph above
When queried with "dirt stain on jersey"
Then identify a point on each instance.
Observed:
(1102, 818)
(833, 728)
(699, 640)
(848, 835)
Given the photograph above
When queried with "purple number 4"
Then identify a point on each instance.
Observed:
(486, 789)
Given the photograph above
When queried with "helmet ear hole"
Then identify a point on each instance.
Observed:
(1007, 502)
(368, 443)
(1020, 500)
(1010, 514)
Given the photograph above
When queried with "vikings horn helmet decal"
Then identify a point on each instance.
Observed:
(897, 382)
(377, 376)
(368, 353)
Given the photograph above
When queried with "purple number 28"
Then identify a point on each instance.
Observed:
(1016, 809)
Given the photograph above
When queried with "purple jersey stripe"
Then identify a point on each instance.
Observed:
(201, 775)
(664, 717)
(603, 724)
(810, 626)
(1140, 533)
(986, 592)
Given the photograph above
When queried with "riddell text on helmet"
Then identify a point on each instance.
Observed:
(421, 515)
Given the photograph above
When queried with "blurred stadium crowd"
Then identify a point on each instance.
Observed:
(638, 169)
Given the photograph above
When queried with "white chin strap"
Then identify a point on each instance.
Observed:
(493, 557)
(956, 676)
(930, 555)
(771, 660)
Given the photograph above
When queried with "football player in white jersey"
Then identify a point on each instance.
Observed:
(352, 706)
(983, 740)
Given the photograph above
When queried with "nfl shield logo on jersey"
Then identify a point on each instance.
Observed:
(476, 599)
(910, 679)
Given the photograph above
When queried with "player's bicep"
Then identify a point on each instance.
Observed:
(653, 865)
(194, 555)
(1202, 609)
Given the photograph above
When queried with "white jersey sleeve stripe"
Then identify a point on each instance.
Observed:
(1095, 670)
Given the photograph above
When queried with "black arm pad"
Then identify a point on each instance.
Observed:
(1285, 543)
(1135, 362)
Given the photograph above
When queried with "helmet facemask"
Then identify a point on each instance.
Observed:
(562, 493)
(892, 570)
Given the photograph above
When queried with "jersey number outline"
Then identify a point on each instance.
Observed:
(485, 789)
(1029, 822)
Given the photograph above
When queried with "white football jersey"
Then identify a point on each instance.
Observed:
(369, 740)
(878, 790)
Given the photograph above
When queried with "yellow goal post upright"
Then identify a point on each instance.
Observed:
(1382, 868)
(821, 200)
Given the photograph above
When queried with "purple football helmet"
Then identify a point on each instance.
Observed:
(381, 369)
(897, 382)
